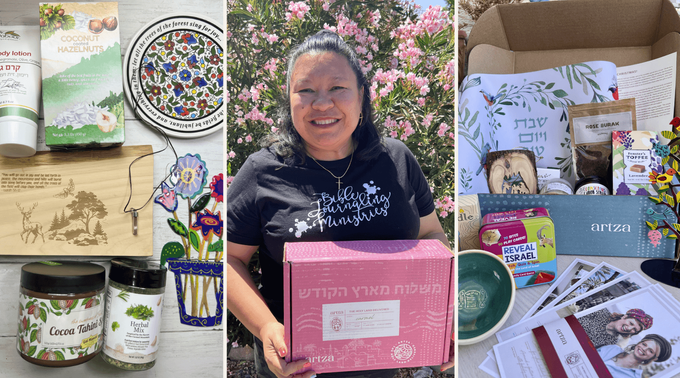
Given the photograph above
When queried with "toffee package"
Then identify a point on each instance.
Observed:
(591, 126)
(82, 76)
(635, 161)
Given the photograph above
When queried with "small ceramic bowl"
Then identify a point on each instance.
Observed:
(486, 294)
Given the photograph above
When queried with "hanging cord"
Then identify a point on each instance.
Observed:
(168, 143)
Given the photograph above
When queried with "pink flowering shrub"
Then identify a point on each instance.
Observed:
(406, 52)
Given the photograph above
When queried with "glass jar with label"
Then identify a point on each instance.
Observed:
(592, 185)
(134, 302)
(61, 312)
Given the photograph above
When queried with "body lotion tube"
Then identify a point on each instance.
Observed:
(20, 81)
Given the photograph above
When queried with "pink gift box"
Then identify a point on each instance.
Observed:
(364, 305)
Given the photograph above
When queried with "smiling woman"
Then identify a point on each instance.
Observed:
(354, 186)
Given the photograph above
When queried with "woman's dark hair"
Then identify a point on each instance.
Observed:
(288, 143)
(665, 348)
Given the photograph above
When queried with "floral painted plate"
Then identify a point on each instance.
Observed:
(173, 75)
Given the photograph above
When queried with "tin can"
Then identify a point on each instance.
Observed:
(525, 240)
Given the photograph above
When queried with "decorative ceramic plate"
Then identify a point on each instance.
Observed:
(173, 75)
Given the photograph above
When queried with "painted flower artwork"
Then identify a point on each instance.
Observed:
(182, 75)
(663, 218)
(190, 175)
(197, 236)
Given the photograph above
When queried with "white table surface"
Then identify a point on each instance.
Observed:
(184, 351)
(471, 356)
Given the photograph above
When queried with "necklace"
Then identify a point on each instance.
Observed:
(337, 177)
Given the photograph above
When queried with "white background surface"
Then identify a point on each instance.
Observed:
(184, 351)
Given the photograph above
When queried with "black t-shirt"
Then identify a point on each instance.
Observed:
(270, 203)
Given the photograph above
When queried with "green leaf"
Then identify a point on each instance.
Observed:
(140, 312)
(34, 335)
(171, 249)
(194, 239)
(668, 134)
(200, 203)
(651, 226)
(217, 246)
(75, 303)
(674, 149)
(178, 227)
(560, 93)
(549, 86)
(55, 305)
(115, 326)
(672, 236)
(665, 232)
(43, 316)
(59, 355)
(31, 352)
(676, 226)
(664, 161)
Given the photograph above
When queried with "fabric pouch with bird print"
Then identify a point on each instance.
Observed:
(591, 126)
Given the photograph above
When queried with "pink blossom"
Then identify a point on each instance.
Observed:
(297, 10)
(249, 138)
(272, 38)
(249, 8)
(239, 140)
(452, 136)
(231, 154)
(369, 56)
(228, 182)
(384, 92)
(424, 90)
(361, 50)
(275, 129)
(394, 134)
(427, 121)
(443, 214)
(326, 6)
(421, 101)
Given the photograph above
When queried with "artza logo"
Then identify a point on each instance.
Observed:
(609, 227)
(321, 359)
(9, 35)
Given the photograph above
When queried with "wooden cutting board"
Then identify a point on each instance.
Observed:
(71, 203)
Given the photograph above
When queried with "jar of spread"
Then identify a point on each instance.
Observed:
(557, 186)
(592, 185)
(134, 302)
(61, 312)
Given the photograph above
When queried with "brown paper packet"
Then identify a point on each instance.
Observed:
(590, 126)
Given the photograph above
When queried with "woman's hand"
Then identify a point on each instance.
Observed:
(275, 350)
(452, 358)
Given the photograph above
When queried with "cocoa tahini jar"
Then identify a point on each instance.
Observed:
(61, 312)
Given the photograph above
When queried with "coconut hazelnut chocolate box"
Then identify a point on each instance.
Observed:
(82, 76)
(364, 305)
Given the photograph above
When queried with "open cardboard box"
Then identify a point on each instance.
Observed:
(517, 38)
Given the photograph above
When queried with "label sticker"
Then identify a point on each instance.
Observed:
(345, 321)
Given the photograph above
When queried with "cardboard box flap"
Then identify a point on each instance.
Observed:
(365, 251)
(533, 26)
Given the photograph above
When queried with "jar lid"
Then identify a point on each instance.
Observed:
(138, 273)
(63, 277)
(591, 180)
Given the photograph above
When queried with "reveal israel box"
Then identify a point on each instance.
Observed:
(364, 305)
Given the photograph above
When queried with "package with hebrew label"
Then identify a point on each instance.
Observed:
(364, 305)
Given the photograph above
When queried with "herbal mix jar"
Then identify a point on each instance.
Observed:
(134, 301)
(61, 312)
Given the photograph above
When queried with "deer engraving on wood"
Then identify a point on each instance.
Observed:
(33, 228)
